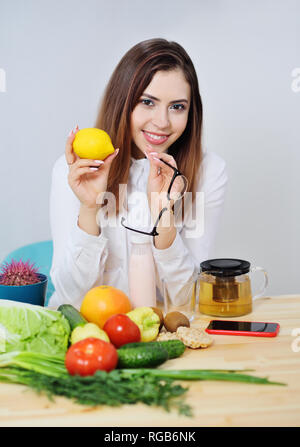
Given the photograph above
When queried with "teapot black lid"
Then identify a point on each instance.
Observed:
(225, 267)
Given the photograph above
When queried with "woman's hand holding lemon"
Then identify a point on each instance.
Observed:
(88, 176)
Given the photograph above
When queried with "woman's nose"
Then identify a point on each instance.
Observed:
(161, 118)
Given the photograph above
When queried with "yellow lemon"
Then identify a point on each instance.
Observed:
(92, 143)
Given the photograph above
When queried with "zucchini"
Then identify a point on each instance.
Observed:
(175, 348)
(141, 356)
(72, 315)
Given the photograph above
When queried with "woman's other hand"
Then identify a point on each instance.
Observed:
(87, 178)
(159, 180)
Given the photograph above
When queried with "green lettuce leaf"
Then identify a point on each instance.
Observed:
(26, 327)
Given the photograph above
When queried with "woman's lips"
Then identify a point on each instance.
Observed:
(155, 139)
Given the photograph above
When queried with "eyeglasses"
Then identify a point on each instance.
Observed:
(177, 188)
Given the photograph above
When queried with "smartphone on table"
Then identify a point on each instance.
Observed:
(250, 328)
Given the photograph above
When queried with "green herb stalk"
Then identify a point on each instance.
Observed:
(201, 374)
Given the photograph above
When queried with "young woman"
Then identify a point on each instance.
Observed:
(152, 111)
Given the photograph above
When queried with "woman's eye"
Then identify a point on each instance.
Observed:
(179, 106)
(147, 102)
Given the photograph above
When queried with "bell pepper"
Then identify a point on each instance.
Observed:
(147, 320)
(86, 331)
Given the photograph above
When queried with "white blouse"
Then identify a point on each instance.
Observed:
(82, 261)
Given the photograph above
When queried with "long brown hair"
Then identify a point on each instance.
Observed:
(129, 80)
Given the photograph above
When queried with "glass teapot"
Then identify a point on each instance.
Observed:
(225, 287)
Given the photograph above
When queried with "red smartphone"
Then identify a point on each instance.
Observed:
(251, 328)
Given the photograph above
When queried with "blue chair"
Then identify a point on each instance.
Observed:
(39, 253)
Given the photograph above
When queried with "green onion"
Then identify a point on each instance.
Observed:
(50, 365)
(201, 374)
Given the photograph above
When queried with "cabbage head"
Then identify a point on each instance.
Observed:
(26, 327)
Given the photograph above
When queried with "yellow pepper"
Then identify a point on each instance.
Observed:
(88, 330)
(147, 320)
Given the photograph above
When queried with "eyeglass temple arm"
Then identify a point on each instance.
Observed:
(170, 166)
(159, 217)
(153, 232)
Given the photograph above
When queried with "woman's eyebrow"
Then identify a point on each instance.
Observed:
(171, 102)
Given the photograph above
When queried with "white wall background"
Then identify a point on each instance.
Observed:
(57, 57)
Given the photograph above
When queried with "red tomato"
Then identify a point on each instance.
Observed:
(87, 356)
(122, 330)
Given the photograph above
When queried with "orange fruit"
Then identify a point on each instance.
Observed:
(102, 302)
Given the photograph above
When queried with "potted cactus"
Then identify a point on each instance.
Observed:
(21, 281)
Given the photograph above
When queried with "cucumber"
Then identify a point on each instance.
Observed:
(141, 356)
(175, 348)
(72, 315)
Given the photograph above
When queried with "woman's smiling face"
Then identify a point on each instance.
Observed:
(161, 114)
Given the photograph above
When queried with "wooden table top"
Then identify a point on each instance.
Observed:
(214, 403)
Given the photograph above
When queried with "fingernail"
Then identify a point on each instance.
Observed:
(153, 153)
(117, 150)
(155, 158)
(70, 133)
(92, 168)
(100, 162)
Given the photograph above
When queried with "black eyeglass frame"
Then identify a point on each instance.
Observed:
(154, 230)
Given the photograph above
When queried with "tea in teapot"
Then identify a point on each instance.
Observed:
(225, 287)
